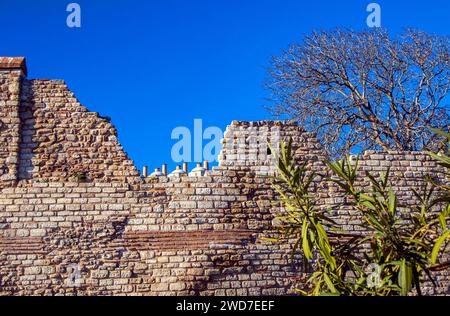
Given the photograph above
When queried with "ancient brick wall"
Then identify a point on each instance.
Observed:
(77, 218)
(62, 140)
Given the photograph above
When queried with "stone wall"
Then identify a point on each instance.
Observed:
(62, 140)
(12, 72)
(76, 218)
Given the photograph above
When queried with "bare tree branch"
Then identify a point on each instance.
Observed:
(365, 90)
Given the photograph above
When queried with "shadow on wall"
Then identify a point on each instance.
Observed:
(62, 141)
(28, 132)
(42, 150)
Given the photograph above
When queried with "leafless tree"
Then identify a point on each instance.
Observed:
(365, 90)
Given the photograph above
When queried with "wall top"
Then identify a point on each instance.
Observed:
(13, 63)
(269, 123)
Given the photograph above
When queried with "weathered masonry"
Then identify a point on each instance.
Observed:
(76, 217)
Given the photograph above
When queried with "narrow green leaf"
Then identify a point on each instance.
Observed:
(330, 284)
(437, 246)
(267, 239)
(443, 216)
(442, 133)
(405, 277)
(369, 205)
(305, 241)
(392, 199)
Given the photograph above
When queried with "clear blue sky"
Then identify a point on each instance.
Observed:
(154, 65)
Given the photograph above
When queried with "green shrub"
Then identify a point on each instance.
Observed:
(401, 248)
